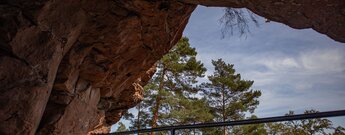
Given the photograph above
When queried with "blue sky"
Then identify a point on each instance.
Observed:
(295, 69)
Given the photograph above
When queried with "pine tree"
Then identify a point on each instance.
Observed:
(172, 90)
(177, 72)
(229, 96)
(303, 127)
(142, 118)
(144, 109)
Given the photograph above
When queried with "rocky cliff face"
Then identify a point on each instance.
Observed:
(70, 67)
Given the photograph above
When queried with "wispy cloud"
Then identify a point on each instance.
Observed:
(295, 69)
(324, 61)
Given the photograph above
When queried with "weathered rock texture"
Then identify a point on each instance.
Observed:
(69, 66)
(72, 66)
(324, 16)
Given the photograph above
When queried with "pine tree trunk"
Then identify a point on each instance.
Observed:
(139, 109)
(158, 101)
(194, 128)
(155, 113)
(223, 109)
(225, 131)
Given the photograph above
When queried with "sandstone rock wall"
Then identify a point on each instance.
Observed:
(69, 67)
(74, 66)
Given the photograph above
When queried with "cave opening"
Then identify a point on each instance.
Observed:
(295, 69)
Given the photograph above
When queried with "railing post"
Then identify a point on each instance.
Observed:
(172, 131)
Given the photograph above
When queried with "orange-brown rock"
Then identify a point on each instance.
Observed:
(71, 67)
(324, 16)
(65, 64)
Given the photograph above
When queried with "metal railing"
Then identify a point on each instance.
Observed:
(172, 129)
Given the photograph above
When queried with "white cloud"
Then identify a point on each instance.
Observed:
(274, 102)
(302, 71)
(278, 63)
(317, 61)
(323, 61)
(289, 63)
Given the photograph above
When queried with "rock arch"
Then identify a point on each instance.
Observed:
(69, 67)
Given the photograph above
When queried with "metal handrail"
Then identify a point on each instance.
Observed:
(239, 122)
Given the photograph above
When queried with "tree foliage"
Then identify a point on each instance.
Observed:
(252, 129)
(320, 126)
(339, 131)
(170, 94)
(228, 95)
